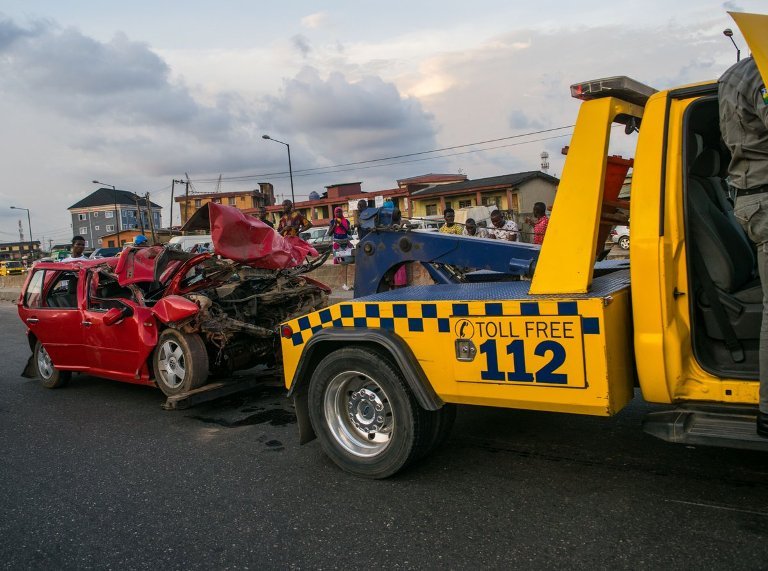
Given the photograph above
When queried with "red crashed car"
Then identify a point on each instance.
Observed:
(158, 316)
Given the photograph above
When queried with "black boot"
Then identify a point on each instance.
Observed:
(762, 424)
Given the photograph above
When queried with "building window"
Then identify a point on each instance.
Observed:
(217, 200)
(131, 214)
(492, 201)
(110, 228)
(95, 214)
(83, 229)
(465, 203)
(109, 214)
(198, 202)
(448, 204)
(431, 209)
(97, 227)
(82, 217)
(231, 200)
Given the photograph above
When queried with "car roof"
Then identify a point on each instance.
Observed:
(84, 263)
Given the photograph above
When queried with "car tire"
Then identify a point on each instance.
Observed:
(49, 376)
(180, 362)
(624, 242)
(365, 416)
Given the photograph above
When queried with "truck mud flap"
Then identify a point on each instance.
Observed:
(707, 425)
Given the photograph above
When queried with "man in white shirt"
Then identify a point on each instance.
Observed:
(78, 245)
(502, 229)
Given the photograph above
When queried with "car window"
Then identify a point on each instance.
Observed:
(33, 296)
(63, 291)
(104, 292)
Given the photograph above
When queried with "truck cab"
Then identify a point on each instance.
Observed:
(552, 328)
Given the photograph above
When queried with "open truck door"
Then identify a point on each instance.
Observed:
(755, 30)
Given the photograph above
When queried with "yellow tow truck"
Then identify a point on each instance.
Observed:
(377, 378)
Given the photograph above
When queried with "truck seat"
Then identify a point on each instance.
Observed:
(725, 249)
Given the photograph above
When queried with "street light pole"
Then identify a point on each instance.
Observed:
(114, 195)
(29, 222)
(290, 167)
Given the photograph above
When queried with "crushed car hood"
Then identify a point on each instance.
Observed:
(248, 240)
(237, 237)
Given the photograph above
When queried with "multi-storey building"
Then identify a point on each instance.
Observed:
(19, 250)
(242, 200)
(107, 211)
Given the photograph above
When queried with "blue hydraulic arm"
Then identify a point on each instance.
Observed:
(384, 250)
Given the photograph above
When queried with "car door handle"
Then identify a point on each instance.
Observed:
(86, 323)
(32, 320)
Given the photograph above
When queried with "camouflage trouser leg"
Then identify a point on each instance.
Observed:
(752, 212)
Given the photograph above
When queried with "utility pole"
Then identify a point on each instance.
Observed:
(186, 204)
(151, 222)
(170, 215)
(136, 199)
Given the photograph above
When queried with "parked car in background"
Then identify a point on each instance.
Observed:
(424, 224)
(316, 236)
(191, 243)
(11, 268)
(620, 236)
(105, 253)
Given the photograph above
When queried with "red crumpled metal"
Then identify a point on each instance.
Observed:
(248, 240)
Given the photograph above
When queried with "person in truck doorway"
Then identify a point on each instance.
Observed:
(744, 127)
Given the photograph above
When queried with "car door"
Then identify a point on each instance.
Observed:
(50, 308)
(119, 351)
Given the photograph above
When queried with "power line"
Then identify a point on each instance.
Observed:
(263, 175)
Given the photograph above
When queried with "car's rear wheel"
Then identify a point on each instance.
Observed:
(365, 416)
(49, 375)
(624, 242)
(180, 362)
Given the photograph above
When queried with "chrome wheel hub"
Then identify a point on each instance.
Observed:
(44, 364)
(358, 414)
(171, 366)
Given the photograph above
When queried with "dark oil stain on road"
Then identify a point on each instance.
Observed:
(275, 417)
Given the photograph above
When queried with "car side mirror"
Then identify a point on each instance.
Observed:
(116, 314)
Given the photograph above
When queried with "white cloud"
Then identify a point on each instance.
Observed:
(314, 21)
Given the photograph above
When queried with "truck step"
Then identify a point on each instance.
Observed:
(727, 426)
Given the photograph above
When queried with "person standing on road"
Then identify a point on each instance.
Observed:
(471, 229)
(261, 214)
(339, 230)
(540, 221)
(502, 229)
(450, 227)
(78, 245)
(291, 222)
(744, 127)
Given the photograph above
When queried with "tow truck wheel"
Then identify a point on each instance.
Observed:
(180, 362)
(365, 416)
(50, 376)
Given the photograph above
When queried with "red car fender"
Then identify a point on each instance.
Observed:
(174, 308)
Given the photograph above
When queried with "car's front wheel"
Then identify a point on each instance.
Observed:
(365, 416)
(49, 375)
(180, 362)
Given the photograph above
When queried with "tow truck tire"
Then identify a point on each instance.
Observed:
(180, 362)
(624, 242)
(365, 416)
(49, 375)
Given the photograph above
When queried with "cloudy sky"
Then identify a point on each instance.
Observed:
(140, 93)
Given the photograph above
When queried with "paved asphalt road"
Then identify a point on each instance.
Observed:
(96, 475)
